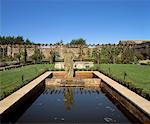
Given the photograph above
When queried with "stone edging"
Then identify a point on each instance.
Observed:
(139, 102)
(9, 101)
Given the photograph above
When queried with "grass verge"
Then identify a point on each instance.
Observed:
(13, 79)
(135, 77)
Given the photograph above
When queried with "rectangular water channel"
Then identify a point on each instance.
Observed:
(70, 104)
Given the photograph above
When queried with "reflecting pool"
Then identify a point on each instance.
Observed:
(72, 104)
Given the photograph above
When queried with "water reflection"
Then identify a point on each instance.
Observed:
(71, 90)
(74, 105)
(69, 93)
(68, 98)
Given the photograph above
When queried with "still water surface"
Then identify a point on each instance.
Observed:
(72, 105)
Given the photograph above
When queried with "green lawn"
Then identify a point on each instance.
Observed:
(11, 80)
(138, 74)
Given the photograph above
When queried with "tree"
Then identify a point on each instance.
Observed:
(139, 55)
(25, 54)
(19, 40)
(96, 54)
(37, 56)
(79, 41)
(105, 55)
(14, 40)
(28, 42)
(128, 55)
(56, 56)
(60, 43)
(18, 57)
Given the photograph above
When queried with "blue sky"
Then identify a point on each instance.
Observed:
(97, 21)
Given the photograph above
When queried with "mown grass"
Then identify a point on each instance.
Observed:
(138, 75)
(13, 79)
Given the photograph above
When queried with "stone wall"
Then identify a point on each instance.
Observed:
(134, 41)
(12, 51)
(47, 50)
(78, 65)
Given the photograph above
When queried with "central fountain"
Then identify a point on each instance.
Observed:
(69, 77)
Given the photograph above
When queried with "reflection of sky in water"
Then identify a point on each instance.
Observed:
(72, 105)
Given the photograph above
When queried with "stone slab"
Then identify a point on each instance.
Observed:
(9, 101)
(137, 100)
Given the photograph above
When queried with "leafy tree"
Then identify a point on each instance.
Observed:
(139, 55)
(105, 55)
(28, 42)
(56, 56)
(113, 54)
(96, 54)
(25, 54)
(127, 55)
(37, 56)
(19, 40)
(60, 43)
(14, 40)
(18, 56)
(79, 41)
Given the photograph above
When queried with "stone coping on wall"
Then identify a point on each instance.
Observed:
(14, 97)
(137, 100)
